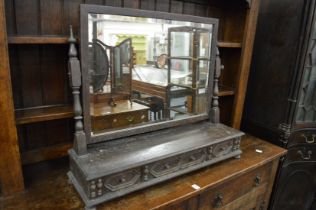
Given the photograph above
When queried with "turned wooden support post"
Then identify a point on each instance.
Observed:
(80, 144)
(215, 113)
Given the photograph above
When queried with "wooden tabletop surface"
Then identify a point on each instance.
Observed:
(47, 186)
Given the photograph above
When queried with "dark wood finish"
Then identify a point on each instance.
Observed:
(38, 54)
(296, 177)
(275, 66)
(46, 153)
(31, 115)
(281, 95)
(11, 178)
(245, 61)
(37, 40)
(175, 194)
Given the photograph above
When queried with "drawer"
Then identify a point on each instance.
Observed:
(129, 118)
(304, 136)
(119, 120)
(303, 152)
(233, 192)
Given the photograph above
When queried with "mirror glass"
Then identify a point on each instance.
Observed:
(146, 70)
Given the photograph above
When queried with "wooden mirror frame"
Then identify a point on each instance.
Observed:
(110, 135)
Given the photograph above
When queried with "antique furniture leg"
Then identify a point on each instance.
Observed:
(11, 178)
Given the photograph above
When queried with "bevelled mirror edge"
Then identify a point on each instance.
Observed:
(123, 132)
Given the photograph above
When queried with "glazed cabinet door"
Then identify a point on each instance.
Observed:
(296, 188)
(306, 108)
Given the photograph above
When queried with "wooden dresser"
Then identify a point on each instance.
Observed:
(243, 184)
(236, 184)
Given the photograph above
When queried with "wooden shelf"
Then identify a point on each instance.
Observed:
(37, 40)
(45, 153)
(226, 91)
(229, 44)
(40, 114)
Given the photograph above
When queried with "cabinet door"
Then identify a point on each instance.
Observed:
(296, 187)
(306, 109)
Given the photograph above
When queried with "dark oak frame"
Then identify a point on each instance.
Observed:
(84, 11)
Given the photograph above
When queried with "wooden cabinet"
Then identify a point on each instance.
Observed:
(37, 42)
(244, 192)
(280, 104)
(236, 184)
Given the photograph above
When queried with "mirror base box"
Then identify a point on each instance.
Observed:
(115, 168)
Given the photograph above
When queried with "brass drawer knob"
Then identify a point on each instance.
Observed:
(257, 180)
(218, 201)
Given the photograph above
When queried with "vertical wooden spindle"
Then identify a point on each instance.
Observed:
(80, 144)
(215, 112)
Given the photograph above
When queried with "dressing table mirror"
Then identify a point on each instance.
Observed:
(149, 93)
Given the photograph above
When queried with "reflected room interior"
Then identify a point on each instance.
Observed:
(146, 70)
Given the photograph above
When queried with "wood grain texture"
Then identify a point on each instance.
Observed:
(46, 153)
(245, 61)
(229, 44)
(49, 189)
(38, 55)
(38, 40)
(11, 178)
(25, 116)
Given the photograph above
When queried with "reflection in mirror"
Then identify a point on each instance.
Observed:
(146, 70)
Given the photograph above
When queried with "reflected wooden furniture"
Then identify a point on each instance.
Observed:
(38, 45)
(125, 113)
(244, 184)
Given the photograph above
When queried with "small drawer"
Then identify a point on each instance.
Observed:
(166, 166)
(226, 193)
(304, 136)
(125, 119)
(122, 180)
(304, 152)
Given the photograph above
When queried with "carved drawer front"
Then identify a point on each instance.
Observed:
(122, 180)
(166, 166)
(243, 191)
(193, 158)
(301, 153)
(101, 186)
(304, 136)
(222, 148)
